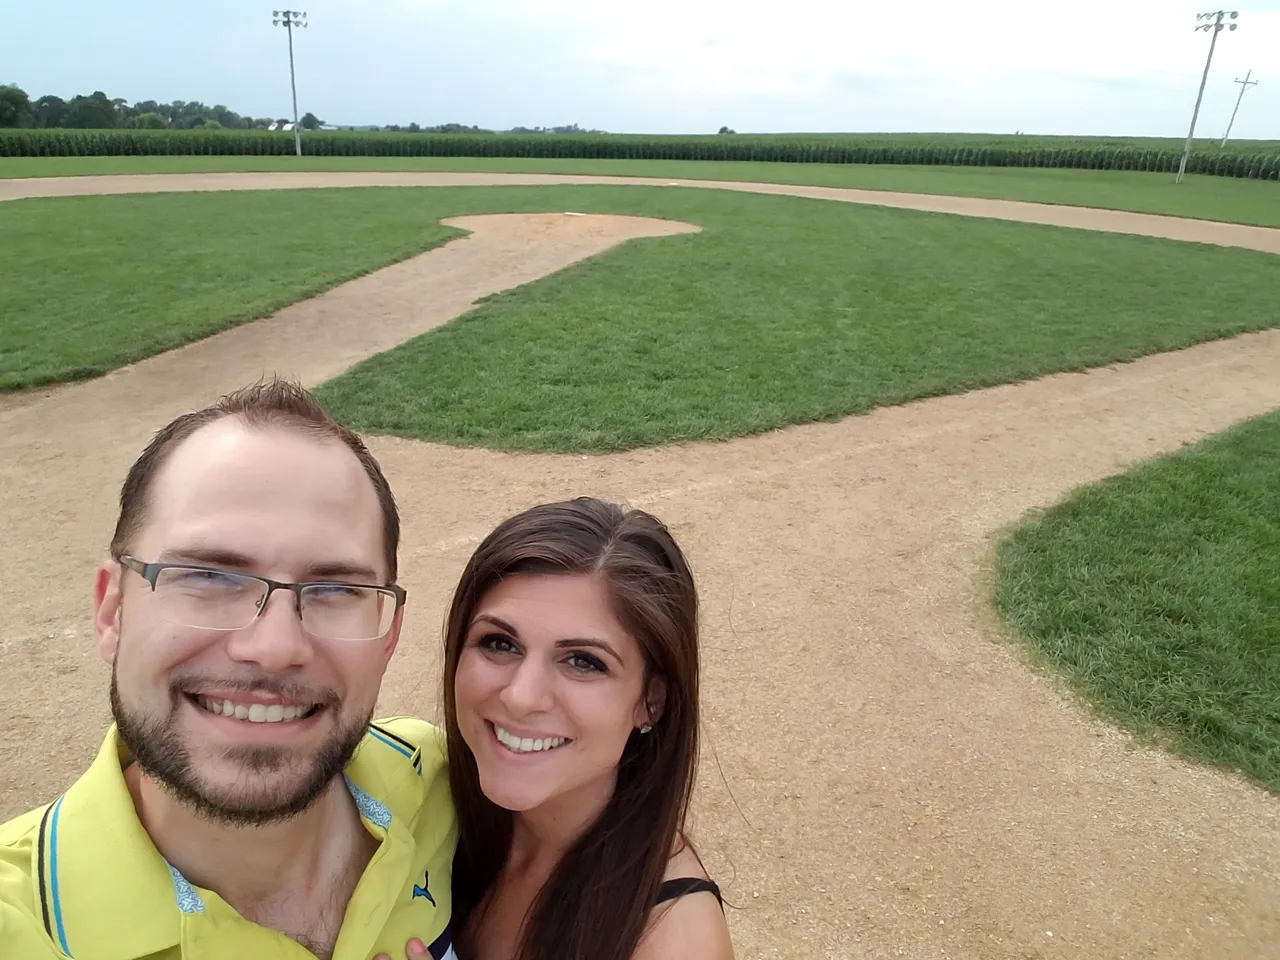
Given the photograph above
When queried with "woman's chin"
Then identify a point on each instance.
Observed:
(510, 796)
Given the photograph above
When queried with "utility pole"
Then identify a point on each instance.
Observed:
(1214, 27)
(1245, 84)
(290, 19)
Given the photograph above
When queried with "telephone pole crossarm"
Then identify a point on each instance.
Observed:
(1245, 84)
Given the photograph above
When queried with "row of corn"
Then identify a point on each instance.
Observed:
(947, 151)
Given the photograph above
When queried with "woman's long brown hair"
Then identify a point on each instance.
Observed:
(597, 901)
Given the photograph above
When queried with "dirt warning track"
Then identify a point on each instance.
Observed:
(882, 777)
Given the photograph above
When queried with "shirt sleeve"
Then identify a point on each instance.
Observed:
(21, 932)
(21, 935)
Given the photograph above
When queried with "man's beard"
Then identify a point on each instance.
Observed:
(158, 749)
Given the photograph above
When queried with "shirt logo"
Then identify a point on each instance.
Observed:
(424, 890)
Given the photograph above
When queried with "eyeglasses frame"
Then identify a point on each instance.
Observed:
(150, 572)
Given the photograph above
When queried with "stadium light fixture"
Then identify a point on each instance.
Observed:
(1213, 24)
(290, 19)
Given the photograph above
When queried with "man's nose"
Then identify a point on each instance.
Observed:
(275, 641)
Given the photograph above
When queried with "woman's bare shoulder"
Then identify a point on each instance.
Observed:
(690, 927)
(685, 863)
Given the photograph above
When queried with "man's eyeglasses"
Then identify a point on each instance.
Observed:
(205, 598)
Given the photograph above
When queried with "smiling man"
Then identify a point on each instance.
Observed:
(243, 802)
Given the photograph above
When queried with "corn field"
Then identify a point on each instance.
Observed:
(1253, 160)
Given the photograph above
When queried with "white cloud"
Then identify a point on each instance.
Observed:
(743, 46)
(1123, 67)
(716, 52)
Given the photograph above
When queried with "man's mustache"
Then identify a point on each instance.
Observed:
(284, 687)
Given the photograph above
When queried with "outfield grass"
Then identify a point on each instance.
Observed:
(782, 310)
(1157, 594)
(94, 283)
(1206, 198)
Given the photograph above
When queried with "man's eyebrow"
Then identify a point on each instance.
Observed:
(594, 644)
(323, 571)
(204, 556)
(222, 557)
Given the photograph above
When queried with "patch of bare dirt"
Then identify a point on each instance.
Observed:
(882, 776)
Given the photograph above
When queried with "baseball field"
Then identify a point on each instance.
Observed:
(978, 471)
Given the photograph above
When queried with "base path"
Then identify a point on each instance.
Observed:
(1114, 221)
(883, 775)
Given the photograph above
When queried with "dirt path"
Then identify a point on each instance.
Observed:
(1115, 221)
(902, 785)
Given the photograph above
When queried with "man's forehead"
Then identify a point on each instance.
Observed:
(231, 471)
(229, 451)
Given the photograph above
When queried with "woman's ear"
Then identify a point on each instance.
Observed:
(649, 710)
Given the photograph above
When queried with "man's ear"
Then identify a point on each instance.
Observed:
(393, 638)
(649, 709)
(106, 609)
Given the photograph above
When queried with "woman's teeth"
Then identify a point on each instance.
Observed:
(255, 712)
(525, 745)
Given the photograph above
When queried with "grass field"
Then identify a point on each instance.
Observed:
(94, 283)
(783, 310)
(1158, 594)
(1208, 198)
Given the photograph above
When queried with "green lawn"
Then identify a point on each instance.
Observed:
(783, 310)
(94, 283)
(1158, 594)
(1207, 198)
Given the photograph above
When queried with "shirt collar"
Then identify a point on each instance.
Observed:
(109, 889)
(110, 893)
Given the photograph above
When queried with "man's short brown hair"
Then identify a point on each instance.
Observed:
(267, 403)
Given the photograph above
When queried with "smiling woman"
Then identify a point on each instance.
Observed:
(571, 701)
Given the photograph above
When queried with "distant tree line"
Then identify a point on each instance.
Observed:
(97, 112)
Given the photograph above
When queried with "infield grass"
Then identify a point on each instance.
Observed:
(1157, 594)
(783, 310)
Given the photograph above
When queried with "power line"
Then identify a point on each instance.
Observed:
(1214, 27)
(290, 19)
(1245, 84)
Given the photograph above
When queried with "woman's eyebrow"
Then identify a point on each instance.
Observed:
(591, 642)
(497, 622)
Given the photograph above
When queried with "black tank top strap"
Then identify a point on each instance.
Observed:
(682, 886)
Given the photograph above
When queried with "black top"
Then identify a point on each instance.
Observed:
(673, 889)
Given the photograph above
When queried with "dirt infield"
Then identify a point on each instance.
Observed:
(882, 776)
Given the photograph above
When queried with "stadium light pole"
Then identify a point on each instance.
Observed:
(1245, 84)
(1213, 27)
(290, 19)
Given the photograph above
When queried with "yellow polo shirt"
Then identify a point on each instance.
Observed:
(80, 878)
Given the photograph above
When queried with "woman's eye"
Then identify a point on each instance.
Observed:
(586, 663)
(496, 643)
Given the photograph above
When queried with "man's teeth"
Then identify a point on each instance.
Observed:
(255, 712)
(525, 745)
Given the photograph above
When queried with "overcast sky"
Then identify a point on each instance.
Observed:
(670, 66)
